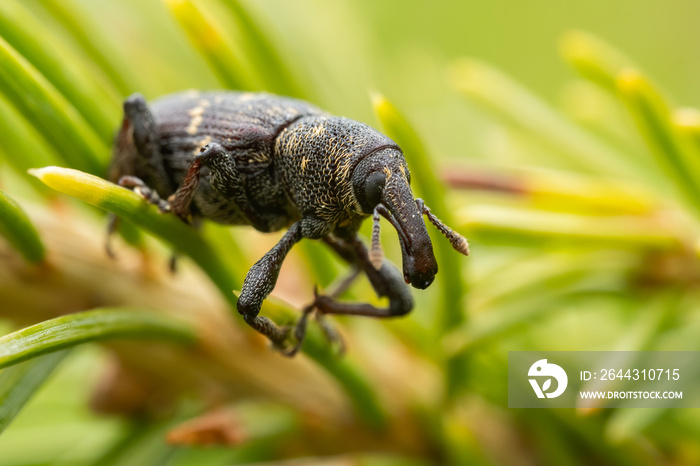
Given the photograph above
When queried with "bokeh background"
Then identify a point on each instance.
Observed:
(560, 137)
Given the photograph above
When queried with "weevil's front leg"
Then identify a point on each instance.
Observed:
(387, 281)
(259, 283)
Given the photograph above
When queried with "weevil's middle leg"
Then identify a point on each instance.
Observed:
(387, 281)
(331, 333)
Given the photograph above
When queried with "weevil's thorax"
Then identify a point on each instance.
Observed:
(316, 158)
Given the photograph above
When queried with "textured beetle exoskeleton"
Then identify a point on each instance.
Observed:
(274, 162)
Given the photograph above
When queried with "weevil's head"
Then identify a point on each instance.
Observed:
(381, 181)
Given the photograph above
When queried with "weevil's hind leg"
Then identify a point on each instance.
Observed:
(146, 139)
(259, 283)
(149, 195)
(136, 151)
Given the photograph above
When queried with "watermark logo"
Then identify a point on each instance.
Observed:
(541, 369)
(591, 380)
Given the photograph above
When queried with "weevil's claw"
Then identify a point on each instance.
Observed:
(280, 344)
(291, 352)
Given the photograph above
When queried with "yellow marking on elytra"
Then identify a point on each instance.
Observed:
(201, 143)
(388, 173)
(196, 114)
(403, 171)
(304, 161)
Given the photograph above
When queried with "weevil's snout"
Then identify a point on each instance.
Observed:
(421, 281)
(419, 264)
(420, 267)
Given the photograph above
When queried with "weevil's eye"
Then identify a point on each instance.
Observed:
(374, 188)
(371, 191)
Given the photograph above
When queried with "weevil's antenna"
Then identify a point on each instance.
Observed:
(457, 241)
(376, 255)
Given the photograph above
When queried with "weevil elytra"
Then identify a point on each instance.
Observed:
(273, 163)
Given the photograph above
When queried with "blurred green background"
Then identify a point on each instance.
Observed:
(570, 159)
(401, 48)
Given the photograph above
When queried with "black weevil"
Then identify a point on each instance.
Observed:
(275, 162)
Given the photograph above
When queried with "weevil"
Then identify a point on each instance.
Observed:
(274, 162)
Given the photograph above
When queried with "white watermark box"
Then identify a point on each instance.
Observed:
(590, 380)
